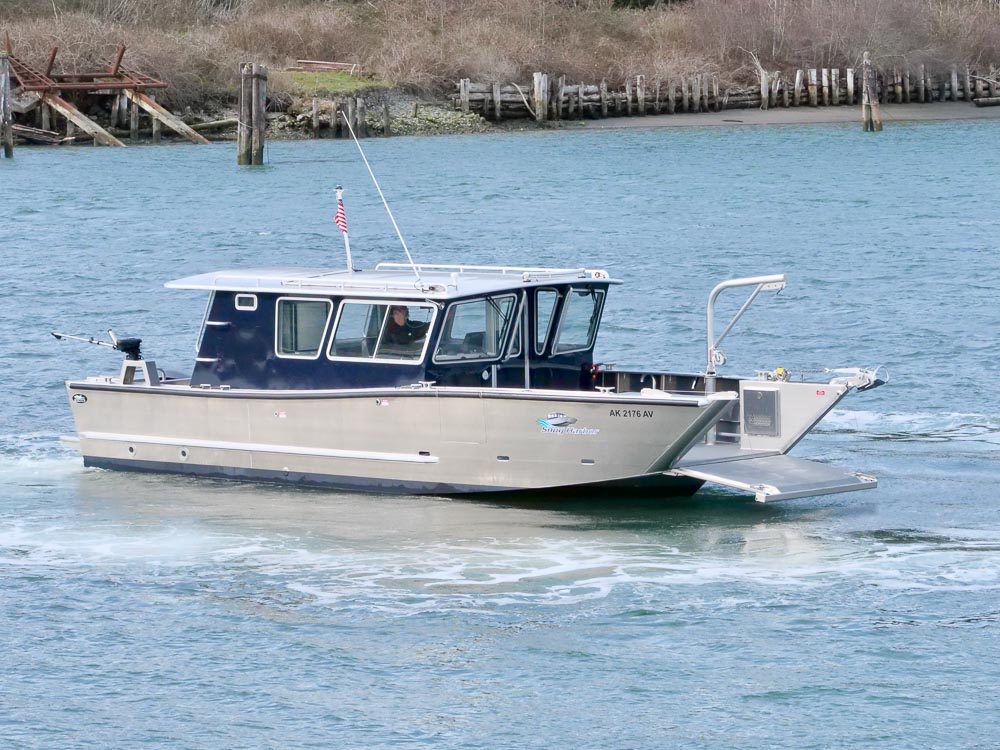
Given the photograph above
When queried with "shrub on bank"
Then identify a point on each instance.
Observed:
(426, 45)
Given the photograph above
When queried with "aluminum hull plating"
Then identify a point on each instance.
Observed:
(424, 440)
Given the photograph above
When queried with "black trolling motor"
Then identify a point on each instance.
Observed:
(127, 346)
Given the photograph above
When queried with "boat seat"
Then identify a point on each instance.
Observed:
(474, 343)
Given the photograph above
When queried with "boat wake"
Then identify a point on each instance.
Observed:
(914, 427)
(488, 576)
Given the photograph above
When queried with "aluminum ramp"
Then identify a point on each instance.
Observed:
(774, 477)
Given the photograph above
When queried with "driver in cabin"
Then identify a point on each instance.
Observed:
(400, 330)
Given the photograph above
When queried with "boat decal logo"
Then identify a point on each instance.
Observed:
(556, 419)
(557, 423)
(79, 398)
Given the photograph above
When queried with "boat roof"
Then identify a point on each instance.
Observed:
(393, 280)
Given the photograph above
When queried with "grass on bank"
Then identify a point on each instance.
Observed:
(329, 82)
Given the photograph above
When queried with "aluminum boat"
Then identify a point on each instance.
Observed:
(442, 379)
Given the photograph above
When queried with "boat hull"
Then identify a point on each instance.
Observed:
(423, 440)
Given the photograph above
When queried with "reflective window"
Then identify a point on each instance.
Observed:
(580, 317)
(545, 308)
(246, 302)
(301, 327)
(382, 331)
(475, 329)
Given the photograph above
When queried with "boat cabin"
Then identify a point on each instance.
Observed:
(395, 325)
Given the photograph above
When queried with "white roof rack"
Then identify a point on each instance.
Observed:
(388, 280)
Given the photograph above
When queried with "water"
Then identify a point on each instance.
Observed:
(151, 612)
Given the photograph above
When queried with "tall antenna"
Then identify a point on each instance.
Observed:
(395, 226)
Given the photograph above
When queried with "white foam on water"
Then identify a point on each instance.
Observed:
(937, 425)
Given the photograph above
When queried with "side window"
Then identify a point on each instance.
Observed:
(545, 308)
(475, 329)
(246, 302)
(382, 331)
(301, 327)
(514, 350)
(580, 317)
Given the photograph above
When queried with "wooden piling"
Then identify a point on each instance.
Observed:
(849, 75)
(156, 126)
(463, 95)
(6, 115)
(133, 122)
(825, 78)
(628, 96)
(560, 87)
(361, 118)
(871, 116)
(835, 87)
(315, 117)
(603, 93)
(797, 91)
(640, 94)
(657, 105)
(696, 93)
(813, 98)
(765, 87)
(906, 86)
(244, 153)
(350, 123)
(259, 118)
(496, 102)
(772, 98)
(335, 116)
(386, 120)
(921, 82)
(967, 93)
(671, 102)
(46, 116)
(993, 86)
(715, 94)
(540, 96)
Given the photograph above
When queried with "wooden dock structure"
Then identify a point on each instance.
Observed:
(46, 95)
(552, 99)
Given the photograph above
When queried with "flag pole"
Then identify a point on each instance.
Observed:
(341, 221)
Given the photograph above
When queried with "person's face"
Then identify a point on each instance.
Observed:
(399, 315)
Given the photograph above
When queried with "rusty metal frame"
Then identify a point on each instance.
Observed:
(115, 78)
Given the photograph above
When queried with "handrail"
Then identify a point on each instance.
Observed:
(458, 268)
(775, 282)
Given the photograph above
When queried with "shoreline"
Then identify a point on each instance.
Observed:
(891, 113)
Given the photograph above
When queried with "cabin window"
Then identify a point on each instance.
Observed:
(581, 316)
(204, 319)
(301, 327)
(384, 331)
(475, 330)
(545, 308)
(246, 302)
(514, 350)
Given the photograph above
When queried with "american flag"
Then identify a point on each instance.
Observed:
(341, 218)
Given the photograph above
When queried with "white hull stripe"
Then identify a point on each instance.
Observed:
(292, 450)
